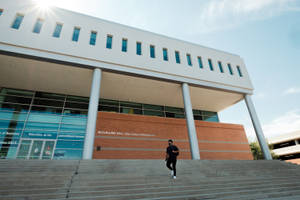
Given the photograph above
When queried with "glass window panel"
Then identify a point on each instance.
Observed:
(74, 120)
(152, 51)
(41, 134)
(197, 117)
(131, 105)
(139, 48)
(48, 102)
(11, 154)
(41, 117)
(38, 26)
(10, 124)
(41, 126)
(24, 149)
(109, 42)
(68, 144)
(77, 105)
(78, 99)
(221, 67)
(48, 150)
(211, 119)
(57, 30)
(93, 38)
(177, 57)
(196, 112)
(230, 69)
(50, 96)
(76, 34)
(174, 110)
(189, 60)
(210, 65)
(46, 110)
(13, 107)
(71, 136)
(153, 107)
(239, 71)
(165, 54)
(16, 99)
(13, 116)
(72, 128)
(36, 149)
(200, 62)
(66, 154)
(5, 91)
(18, 20)
(131, 111)
(76, 113)
(108, 108)
(208, 113)
(124, 45)
(108, 102)
(9, 140)
(154, 113)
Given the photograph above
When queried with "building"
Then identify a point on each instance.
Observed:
(286, 146)
(60, 70)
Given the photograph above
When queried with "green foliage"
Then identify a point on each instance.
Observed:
(257, 153)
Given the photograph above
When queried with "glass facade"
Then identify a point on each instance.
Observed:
(189, 60)
(230, 69)
(76, 34)
(124, 45)
(200, 62)
(38, 26)
(38, 125)
(165, 54)
(177, 57)
(152, 51)
(109, 42)
(57, 30)
(18, 20)
(93, 38)
(138, 48)
(220, 67)
(210, 65)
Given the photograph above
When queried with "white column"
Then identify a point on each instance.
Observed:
(92, 115)
(257, 127)
(190, 122)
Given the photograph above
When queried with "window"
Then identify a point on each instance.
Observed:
(200, 62)
(18, 21)
(229, 68)
(177, 57)
(76, 34)
(221, 67)
(57, 30)
(239, 71)
(38, 26)
(210, 65)
(189, 61)
(139, 48)
(152, 51)
(1, 11)
(93, 38)
(109, 42)
(124, 45)
(165, 54)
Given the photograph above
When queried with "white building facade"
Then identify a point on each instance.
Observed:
(60, 62)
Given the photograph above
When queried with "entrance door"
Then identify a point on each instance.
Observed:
(36, 149)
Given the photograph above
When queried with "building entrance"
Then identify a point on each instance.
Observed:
(36, 149)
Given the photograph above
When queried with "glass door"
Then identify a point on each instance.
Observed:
(36, 149)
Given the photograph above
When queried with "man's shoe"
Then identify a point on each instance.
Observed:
(174, 177)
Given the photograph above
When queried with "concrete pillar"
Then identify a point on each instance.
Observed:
(257, 127)
(92, 115)
(190, 122)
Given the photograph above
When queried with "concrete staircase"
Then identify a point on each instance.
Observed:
(148, 179)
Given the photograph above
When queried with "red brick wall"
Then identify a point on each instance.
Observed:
(124, 136)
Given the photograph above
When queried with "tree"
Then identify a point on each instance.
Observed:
(257, 153)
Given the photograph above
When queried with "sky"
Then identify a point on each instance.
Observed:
(265, 33)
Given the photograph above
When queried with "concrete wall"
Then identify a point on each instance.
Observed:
(63, 46)
(123, 136)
